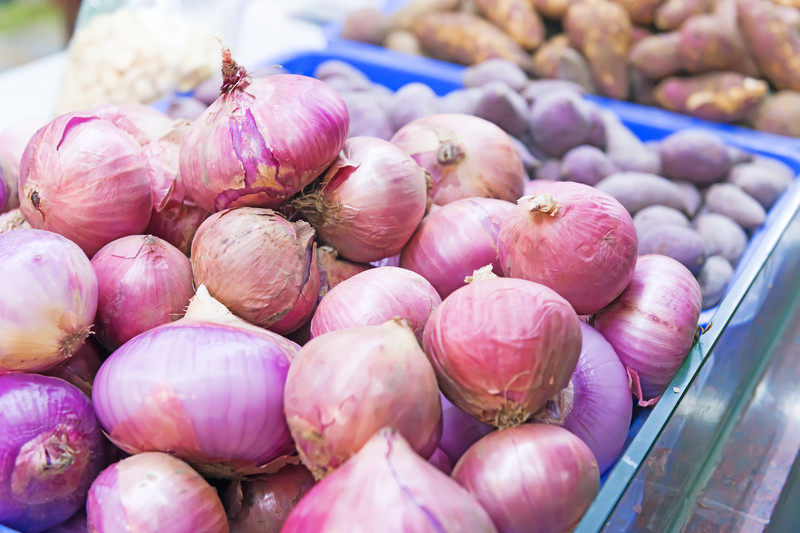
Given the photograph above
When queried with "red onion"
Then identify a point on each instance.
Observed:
(145, 123)
(48, 299)
(392, 261)
(82, 367)
(12, 145)
(577, 240)
(442, 461)
(177, 224)
(459, 430)
(206, 388)
(76, 524)
(597, 404)
(52, 448)
(154, 493)
(11, 220)
(83, 177)
(261, 504)
(652, 324)
(333, 270)
(503, 371)
(369, 201)
(387, 487)
(453, 242)
(161, 160)
(375, 296)
(534, 477)
(143, 282)
(262, 140)
(345, 385)
(259, 265)
(466, 156)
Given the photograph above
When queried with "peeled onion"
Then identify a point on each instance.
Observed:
(333, 270)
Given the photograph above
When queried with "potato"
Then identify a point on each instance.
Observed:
(637, 190)
(775, 165)
(774, 43)
(779, 113)
(517, 18)
(500, 104)
(626, 150)
(496, 70)
(760, 182)
(367, 117)
(404, 17)
(714, 278)
(554, 9)
(586, 164)
(722, 235)
(739, 156)
(597, 127)
(368, 25)
(672, 13)
(655, 215)
(657, 56)
(681, 243)
(342, 76)
(697, 156)
(642, 88)
(692, 199)
(461, 101)
(410, 102)
(728, 199)
(403, 41)
(560, 122)
(549, 169)
(640, 11)
(556, 59)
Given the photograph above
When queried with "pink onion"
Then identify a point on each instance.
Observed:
(577, 240)
(11, 220)
(387, 487)
(442, 461)
(503, 371)
(12, 145)
(453, 242)
(161, 160)
(75, 524)
(259, 265)
(145, 123)
(597, 404)
(369, 201)
(262, 140)
(535, 477)
(207, 388)
(333, 270)
(261, 504)
(652, 324)
(51, 450)
(466, 156)
(345, 385)
(48, 299)
(154, 493)
(83, 177)
(374, 297)
(459, 430)
(82, 367)
(177, 224)
(143, 282)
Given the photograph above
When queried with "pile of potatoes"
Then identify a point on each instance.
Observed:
(733, 61)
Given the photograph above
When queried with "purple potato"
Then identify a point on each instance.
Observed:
(587, 164)
(681, 243)
(695, 155)
(728, 199)
(637, 190)
(714, 278)
(722, 235)
(501, 105)
(760, 181)
(655, 215)
(496, 69)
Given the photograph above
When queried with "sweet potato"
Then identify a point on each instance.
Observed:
(697, 156)
(692, 199)
(791, 15)
(500, 104)
(779, 113)
(642, 87)
(403, 41)
(760, 182)
(681, 243)
(640, 11)
(717, 96)
(586, 164)
(404, 17)
(655, 215)
(495, 70)
(557, 60)
(722, 235)
(601, 30)
(368, 25)
(465, 38)
(774, 43)
(714, 278)
(554, 9)
(410, 102)
(626, 150)
(638, 33)
(637, 190)
(461, 101)
(517, 18)
(739, 156)
(728, 199)
(672, 13)
(560, 122)
(597, 127)
(657, 56)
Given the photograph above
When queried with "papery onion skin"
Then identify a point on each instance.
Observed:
(143, 282)
(573, 238)
(161, 157)
(259, 265)
(48, 299)
(11, 220)
(652, 324)
(466, 156)
(455, 240)
(369, 202)
(387, 487)
(177, 225)
(333, 270)
(13, 141)
(152, 493)
(262, 140)
(533, 478)
(459, 430)
(145, 123)
(82, 367)
(52, 448)
(375, 296)
(503, 371)
(345, 385)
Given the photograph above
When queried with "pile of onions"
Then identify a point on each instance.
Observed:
(145, 123)
(48, 297)
(82, 367)
(652, 324)
(177, 224)
(597, 404)
(459, 430)
(262, 140)
(259, 265)
(262, 503)
(345, 385)
(455, 240)
(387, 487)
(12, 145)
(466, 156)
(161, 160)
(163, 391)
(573, 238)
(153, 493)
(441, 460)
(51, 450)
(143, 282)
(77, 523)
(333, 270)
(503, 371)
(369, 202)
(85, 178)
(534, 477)
(375, 296)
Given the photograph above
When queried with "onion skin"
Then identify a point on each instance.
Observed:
(76, 524)
(374, 297)
(502, 372)
(145, 123)
(262, 140)
(455, 240)
(533, 478)
(48, 299)
(387, 487)
(143, 282)
(590, 242)
(466, 156)
(161, 160)
(52, 449)
(12, 145)
(459, 430)
(84, 178)
(11, 220)
(652, 324)
(82, 367)
(177, 225)
(154, 492)
(369, 202)
(345, 385)
(333, 270)
(259, 265)
(442, 461)
(261, 504)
